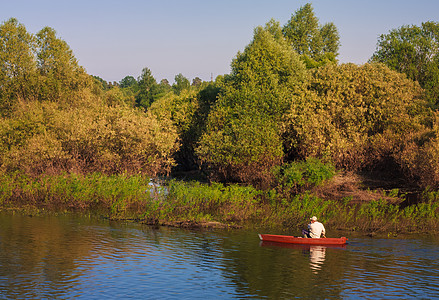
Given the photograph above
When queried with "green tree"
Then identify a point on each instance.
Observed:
(413, 50)
(331, 38)
(61, 74)
(101, 82)
(242, 139)
(196, 82)
(128, 82)
(309, 39)
(165, 82)
(269, 71)
(181, 83)
(162, 89)
(146, 85)
(188, 112)
(18, 68)
(275, 29)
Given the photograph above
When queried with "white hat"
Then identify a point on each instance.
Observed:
(314, 218)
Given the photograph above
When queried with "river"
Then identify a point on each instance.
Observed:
(85, 257)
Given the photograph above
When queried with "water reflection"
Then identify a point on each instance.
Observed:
(316, 257)
(76, 257)
(316, 253)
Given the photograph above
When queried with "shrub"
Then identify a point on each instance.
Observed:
(42, 137)
(300, 174)
(355, 116)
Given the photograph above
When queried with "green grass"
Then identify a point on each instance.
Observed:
(133, 197)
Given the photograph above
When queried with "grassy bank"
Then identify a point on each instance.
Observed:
(176, 202)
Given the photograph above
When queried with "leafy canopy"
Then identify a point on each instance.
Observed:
(413, 50)
(354, 115)
(242, 140)
(37, 67)
(314, 42)
(56, 118)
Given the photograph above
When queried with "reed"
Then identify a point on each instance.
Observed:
(201, 202)
(137, 197)
(72, 191)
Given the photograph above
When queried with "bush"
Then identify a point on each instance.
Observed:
(42, 137)
(298, 175)
(355, 116)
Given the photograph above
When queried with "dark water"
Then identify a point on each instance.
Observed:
(69, 257)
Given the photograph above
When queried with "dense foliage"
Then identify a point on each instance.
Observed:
(316, 44)
(354, 116)
(413, 50)
(242, 140)
(274, 131)
(286, 101)
(56, 118)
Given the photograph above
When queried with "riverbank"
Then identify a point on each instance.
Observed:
(341, 203)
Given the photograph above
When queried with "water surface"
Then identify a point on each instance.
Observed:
(65, 257)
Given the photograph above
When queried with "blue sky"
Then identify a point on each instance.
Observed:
(113, 39)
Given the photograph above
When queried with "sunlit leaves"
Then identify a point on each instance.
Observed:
(43, 138)
(413, 50)
(353, 115)
(61, 76)
(307, 37)
(37, 67)
(18, 72)
(57, 118)
(188, 113)
(242, 138)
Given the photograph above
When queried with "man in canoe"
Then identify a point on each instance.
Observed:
(315, 229)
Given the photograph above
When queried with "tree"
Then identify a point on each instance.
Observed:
(101, 82)
(18, 69)
(269, 71)
(128, 81)
(99, 133)
(413, 50)
(146, 84)
(181, 83)
(310, 40)
(356, 116)
(242, 139)
(162, 89)
(196, 82)
(61, 74)
(188, 112)
(165, 82)
(330, 38)
(275, 29)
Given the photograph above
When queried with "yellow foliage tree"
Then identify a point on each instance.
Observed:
(355, 116)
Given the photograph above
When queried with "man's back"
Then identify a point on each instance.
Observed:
(316, 229)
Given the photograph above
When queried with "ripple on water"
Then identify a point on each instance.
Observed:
(389, 269)
(96, 259)
(161, 265)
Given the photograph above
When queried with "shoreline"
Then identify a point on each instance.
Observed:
(212, 225)
(339, 204)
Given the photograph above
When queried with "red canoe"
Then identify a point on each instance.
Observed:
(300, 240)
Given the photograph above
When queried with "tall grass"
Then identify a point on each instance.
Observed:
(202, 202)
(73, 191)
(137, 197)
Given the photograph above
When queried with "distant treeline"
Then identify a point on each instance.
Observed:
(286, 99)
